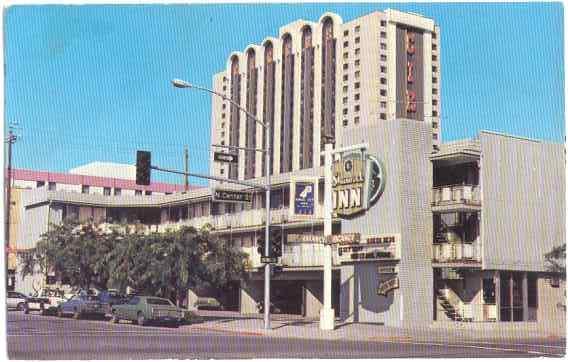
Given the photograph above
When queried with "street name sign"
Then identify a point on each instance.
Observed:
(268, 259)
(225, 157)
(232, 196)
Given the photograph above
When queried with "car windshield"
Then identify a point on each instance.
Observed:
(156, 301)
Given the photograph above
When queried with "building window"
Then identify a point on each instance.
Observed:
(383, 46)
(148, 192)
(223, 115)
(383, 69)
(357, 108)
(434, 57)
(356, 120)
(383, 116)
(346, 32)
(357, 51)
(84, 189)
(357, 62)
(51, 186)
(357, 85)
(383, 57)
(357, 96)
(383, 92)
(434, 80)
(434, 47)
(434, 90)
(532, 290)
(383, 104)
(383, 80)
(345, 55)
(345, 77)
(434, 124)
(223, 106)
(345, 122)
(345, 88)
(434, 68)
(434, 35)
(435, 136)
(434, 102)
(383, 23)
(40, 183)
(344, 110)
(357, 28)
(345, 65)
(435, 113)
(383, 34)
(224, 88)
(344, 100)
(222, 171)
(345, 44)
(106, 191)
(138, 192)
(117, 191)
(357, 74)
(357, 40)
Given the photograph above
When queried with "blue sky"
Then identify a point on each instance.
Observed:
(89, 83)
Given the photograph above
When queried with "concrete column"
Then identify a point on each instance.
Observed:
(250, 295)
(524, 290)
(511, 296)
(497, 280)
(346, 293)
(313, 298)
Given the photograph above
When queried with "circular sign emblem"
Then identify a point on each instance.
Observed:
(377, 178)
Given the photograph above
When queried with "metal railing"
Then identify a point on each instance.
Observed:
(448, 252)
(451, 194)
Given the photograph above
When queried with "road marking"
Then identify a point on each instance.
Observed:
(476, 347)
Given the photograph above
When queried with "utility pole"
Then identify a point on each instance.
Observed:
(186, 157)
(8, 179)
(327, 314)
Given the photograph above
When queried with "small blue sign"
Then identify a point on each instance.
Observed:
(304, 199)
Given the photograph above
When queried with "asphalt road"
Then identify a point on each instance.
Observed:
(48, 337)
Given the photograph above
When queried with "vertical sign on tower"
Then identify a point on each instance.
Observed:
(410, 73)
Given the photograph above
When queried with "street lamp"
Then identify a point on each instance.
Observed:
(178, 83)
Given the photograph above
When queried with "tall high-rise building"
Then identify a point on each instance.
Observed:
(317, 79)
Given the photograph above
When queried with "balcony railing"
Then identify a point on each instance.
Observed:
(305, 255)
(461, 252)
(456, 194)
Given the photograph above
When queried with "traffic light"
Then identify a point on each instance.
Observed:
(261, 246)
(143, 162)
(276, 243)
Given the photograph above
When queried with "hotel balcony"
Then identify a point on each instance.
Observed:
(456, 198)
(457, 254)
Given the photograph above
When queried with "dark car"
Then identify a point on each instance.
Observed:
(81, 305)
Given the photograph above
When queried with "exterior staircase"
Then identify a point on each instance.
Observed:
(450, 309)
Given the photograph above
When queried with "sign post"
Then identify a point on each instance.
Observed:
(232, 196)
(327, 314)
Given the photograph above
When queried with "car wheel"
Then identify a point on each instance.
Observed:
(114, 319)
(76, 314)
(41, 309)
(27, 309)
(21, 306)
(140, 319)
(59, 312)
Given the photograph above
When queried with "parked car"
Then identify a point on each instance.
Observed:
(145, 309)
(208, 304)
(109, 298)
(15, 300)
(81, 305)
(45, 301)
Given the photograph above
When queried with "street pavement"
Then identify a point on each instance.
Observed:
(48, 337)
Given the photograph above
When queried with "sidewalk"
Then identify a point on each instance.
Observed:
(288, 326)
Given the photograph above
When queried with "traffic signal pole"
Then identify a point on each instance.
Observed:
(268, 243)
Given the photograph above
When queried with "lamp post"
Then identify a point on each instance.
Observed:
(178, 83)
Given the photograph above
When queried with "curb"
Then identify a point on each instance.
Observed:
(244, 333)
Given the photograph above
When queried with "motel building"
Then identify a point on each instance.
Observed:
(425, 231)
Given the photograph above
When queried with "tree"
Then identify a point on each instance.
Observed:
(556, 260)
(75, 252)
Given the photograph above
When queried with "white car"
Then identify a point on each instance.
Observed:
(16, 301)
(46, 301)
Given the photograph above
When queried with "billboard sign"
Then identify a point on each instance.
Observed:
(358, 182)
(304, 198)
(388, 285)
